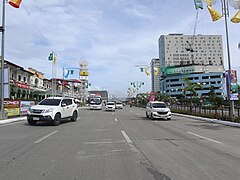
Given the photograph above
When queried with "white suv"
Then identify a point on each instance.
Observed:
(157, 109)
(53, 109)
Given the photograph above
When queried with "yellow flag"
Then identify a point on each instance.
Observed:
(156, 71)
(54, 59)
(146, 71)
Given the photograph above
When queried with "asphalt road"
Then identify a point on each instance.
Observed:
(121, 145)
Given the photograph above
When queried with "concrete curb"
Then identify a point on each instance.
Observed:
(226, 123)
(11, 120)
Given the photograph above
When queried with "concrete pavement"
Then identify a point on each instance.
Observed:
(120, 145)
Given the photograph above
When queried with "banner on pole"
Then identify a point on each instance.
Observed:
(232, 85)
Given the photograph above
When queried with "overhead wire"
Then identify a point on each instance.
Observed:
(34, 23)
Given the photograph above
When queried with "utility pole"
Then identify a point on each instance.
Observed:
(2, 60)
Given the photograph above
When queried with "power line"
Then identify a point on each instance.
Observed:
(35, 25)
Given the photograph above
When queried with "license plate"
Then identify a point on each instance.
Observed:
(36, 118)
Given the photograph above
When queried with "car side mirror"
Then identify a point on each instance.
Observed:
(64, 105)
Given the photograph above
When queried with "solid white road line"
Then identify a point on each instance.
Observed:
(126, 137)
(204, 138)
(45, 137)
(116, 119)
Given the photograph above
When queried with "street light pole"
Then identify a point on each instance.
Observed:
(2, 60)
(226, 13)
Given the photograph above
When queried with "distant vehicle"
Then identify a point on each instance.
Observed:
(157, 109)
(119, 105)
(95, 102)
(53, 109)
(110, 106)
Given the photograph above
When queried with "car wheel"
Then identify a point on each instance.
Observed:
(147, 115)
(168, 119)
(57, 119)
(74, 116)
(31, 122)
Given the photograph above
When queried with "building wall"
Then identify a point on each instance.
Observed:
(155, 78)
(175, 84)
(203, 64)
(207, 49)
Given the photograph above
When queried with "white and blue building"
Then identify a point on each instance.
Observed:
(198, 58)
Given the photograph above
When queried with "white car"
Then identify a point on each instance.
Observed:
(158, 109)
(119, 105)
(110, 106)
(53, 109)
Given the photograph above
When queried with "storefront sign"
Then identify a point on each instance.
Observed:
(12, 108)
(232, 85)
(24, 106)
(24, 86)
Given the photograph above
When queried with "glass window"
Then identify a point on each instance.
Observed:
(50, 102)
(159, 105)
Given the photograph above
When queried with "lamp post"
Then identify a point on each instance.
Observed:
(226, 14)
(236, 19)
(2, 60)
(15, 4)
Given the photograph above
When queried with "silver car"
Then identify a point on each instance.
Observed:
(158, 109)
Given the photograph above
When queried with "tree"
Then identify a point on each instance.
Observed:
(191, 87)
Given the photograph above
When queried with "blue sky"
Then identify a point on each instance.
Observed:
(111, 35)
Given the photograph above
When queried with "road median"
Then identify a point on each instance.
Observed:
(227, 123)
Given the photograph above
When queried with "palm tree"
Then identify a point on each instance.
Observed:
(191, 87)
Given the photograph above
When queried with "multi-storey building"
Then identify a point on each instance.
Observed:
(198, 58)
(155, 78)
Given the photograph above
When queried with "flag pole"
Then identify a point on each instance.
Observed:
(52, 77)
(2, 60)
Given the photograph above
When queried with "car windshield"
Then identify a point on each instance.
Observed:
(95, 101)
(110, 103)
(50, 102)
(159, 105)
(119, 103)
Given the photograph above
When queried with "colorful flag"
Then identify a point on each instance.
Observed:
(15, 3)
(156, 71)
(55, 58)
(198, 4)
(66, 73)
(146, 71)
(50, 57)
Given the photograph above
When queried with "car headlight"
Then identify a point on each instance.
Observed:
(48, 110)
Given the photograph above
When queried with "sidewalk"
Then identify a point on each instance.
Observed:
(226, 123)
(11, 120)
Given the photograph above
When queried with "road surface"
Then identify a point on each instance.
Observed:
(120, 145)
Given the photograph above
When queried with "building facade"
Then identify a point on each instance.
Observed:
(198, 58)
(155, 78)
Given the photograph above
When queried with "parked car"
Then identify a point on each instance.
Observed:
(119, 105)
(110, 106)
(158, 109)
(53, 109)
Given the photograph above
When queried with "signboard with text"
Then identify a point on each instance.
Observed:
(12, 108)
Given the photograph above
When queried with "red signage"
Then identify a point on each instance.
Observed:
(22, 85)
(152, 96)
